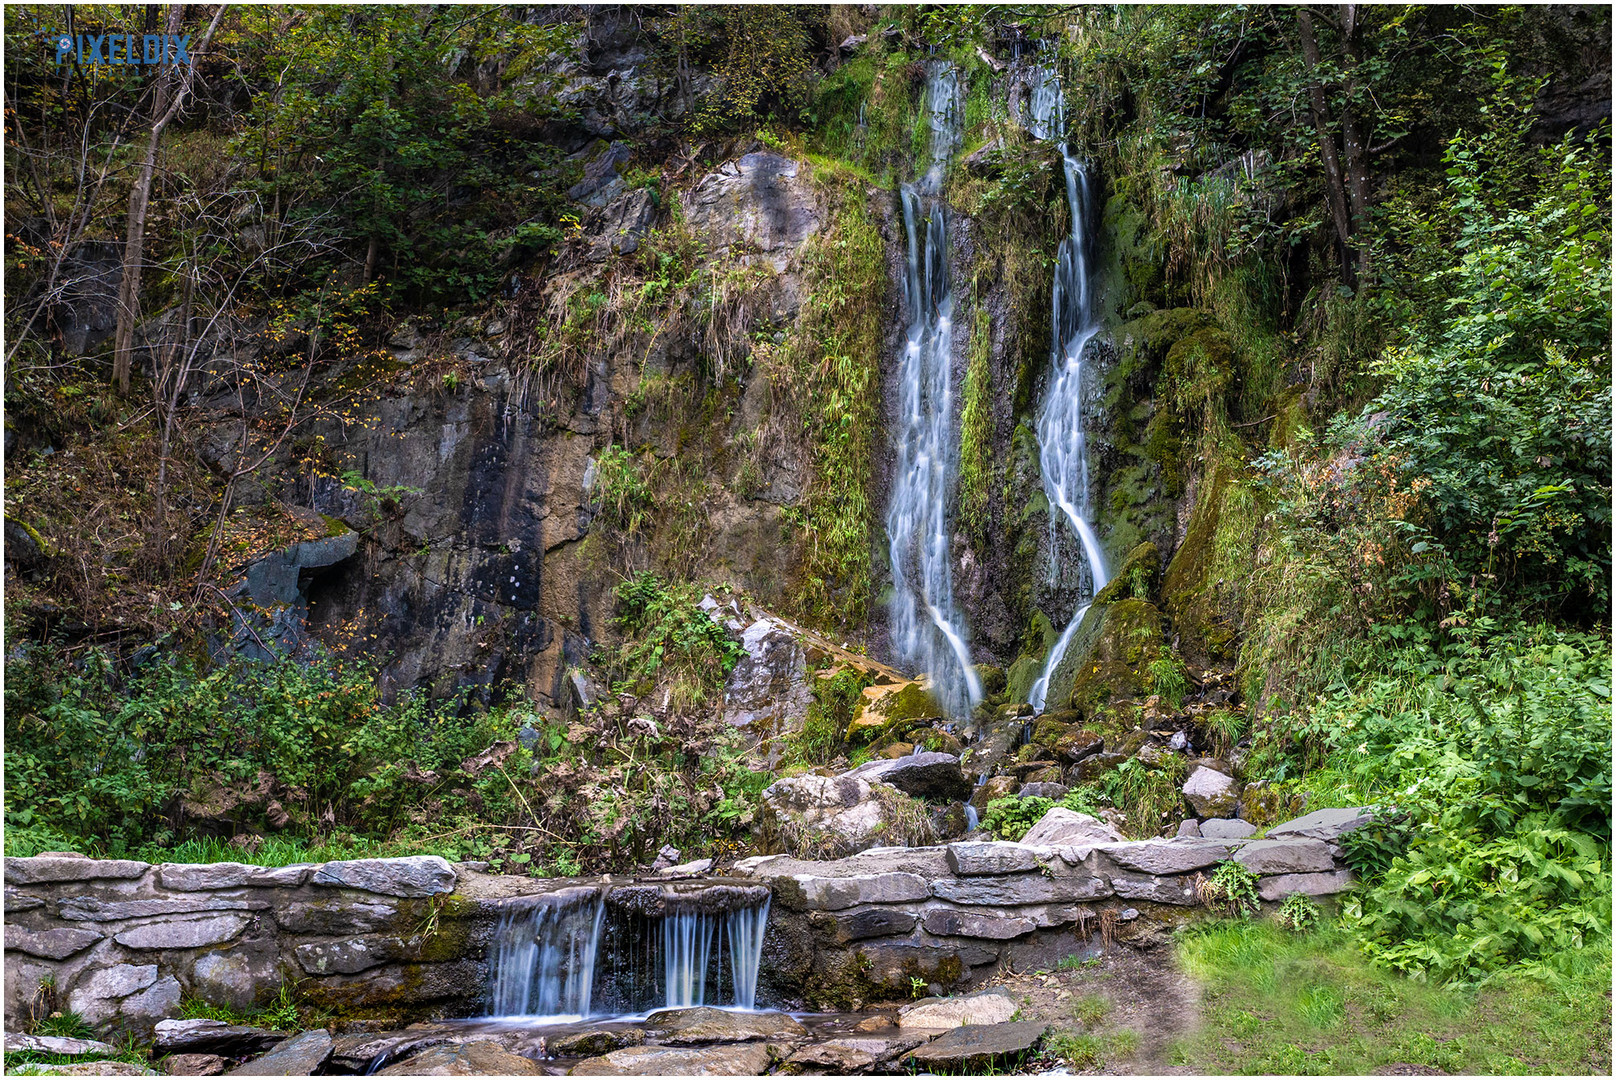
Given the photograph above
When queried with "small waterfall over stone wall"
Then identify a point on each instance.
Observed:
(599, 952)
(1063, 453)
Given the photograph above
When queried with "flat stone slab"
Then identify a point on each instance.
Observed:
(82, 1068)
(479, 1057)
(195, 1065)
(972, 1047)
(1279, 886)
(1285, 857)
(1167, 856)
(94, 909)
(199, 877)
(806, 892)
(873, 922)
(1179, 890)
(989, 1007)
(702, 1024)
(213, 1037)
(182, 933)
(57, 944)
(1227, 828)
(1021, 889)
(747, 1059)
(1327, 825)
(55, 1044)
(301, 1055)
(410, 876)
(16, 901)
(47, 868)
(351, 956)
(986, 857)
(949, 923)
(852, 1053)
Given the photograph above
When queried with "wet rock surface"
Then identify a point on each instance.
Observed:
(976, 1047)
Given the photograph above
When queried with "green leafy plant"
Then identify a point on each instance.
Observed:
(1010, 818)
(1231, 890)
(1298, 914)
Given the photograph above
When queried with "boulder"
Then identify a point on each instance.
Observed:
(1227, 828)
(300, 1055)
(1043, 789)
(923, 775)
(685, 1027)
(595, 1042)
(1188, 828)
(746, 1059)
(979, 1047)
(1326, 825)
(410, 876)
(1094, 767)
(1285, 857)
(994, 787)
(213, 1037)
(847, 809)
(1061, 827)
(125, 998)
(1212, 793)
(767, 691)
(1279, 886)
(479, 1057)
(989, 1007)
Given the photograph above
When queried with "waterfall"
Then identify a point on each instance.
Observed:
(928, 632)
(544, 957)
(1062, 441)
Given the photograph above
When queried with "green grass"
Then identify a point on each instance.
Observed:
(1277, 1002)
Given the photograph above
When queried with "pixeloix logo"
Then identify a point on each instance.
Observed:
(123, 48)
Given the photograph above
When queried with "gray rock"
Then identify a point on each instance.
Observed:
(767, 690)
(82, 1068)
(1228, 828)
(212, 1037)
(94, 909)
(844, 807)
(1279, 886)
(363, 1053)
(1211, 793)
(804, 892)
(235, 977)
(1285, 857)
(872, 922)
(410, 876)
(195, 1065)
(854, 1053)
(16, 901)
(479, 1057)
(595, 1042)
(56, 944)
(976, 1047)
(47, 868)
(761, 200)
(1043, 789)
(118, 981)
(989, 1007)
(685, 1027)
(746, 1059)
(924, 775)
(182, 933)
(1022, 889)
(1326, 825)
(973, 858)
(199, 877)
(951, 923)
(353, 955)
(1062, 827)
(1179, 891)
(1189, 827)
(300, 1055)
(54, 1044)
(330, 918)
(1166, 856)
(125, 997)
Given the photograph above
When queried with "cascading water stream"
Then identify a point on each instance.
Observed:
(928, 631)
(1062, 439)
(548, 966)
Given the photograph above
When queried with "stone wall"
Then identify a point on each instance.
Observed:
(860, 929)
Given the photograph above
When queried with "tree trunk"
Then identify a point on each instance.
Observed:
(167, 98)
(1354, 137)
(1335, 192)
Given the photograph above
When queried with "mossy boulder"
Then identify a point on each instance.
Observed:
(1203, 603)
(884, 707)
(1128, 638)
(1135, 578)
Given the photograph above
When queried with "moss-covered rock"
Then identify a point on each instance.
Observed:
(1135, 578)
(1201, 587)
(1129, 637)
(884, 707)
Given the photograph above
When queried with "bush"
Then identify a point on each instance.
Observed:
(668, 641)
